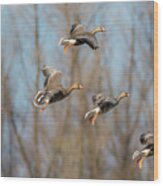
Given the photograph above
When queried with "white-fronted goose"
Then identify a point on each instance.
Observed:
(79, 37)
(102, 105)
(139, 156)
(53, 90)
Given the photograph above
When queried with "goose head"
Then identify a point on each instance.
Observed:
(98, 29)
(77, 86)
(101, 29)
(123, 95)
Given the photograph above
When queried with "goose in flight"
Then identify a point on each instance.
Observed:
(102, 105)
(79, 37)
(146, 139)
(53, 90)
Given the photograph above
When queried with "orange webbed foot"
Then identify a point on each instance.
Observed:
(93, 119)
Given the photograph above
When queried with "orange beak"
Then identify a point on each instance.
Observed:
(81, 86)
(127, 94)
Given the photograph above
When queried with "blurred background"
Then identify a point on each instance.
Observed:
(59, 143)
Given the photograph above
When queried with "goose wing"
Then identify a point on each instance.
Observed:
(48, 70)
(76, 29)
(53, 78)
(107, 104)
(98, 99)
(103, 102)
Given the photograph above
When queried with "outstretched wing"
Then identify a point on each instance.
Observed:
(76, 29)
(108, 104)
(53, 78)
(48, 70)
(98, 99)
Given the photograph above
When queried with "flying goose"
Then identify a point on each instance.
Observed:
(102, 105)
(139, 156)
(53, 90)
(79, 37)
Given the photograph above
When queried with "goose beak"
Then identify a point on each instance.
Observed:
(81, 86)
(127, 94)
(103, 29)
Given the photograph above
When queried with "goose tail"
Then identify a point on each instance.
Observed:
(40, 95)
(92, 115)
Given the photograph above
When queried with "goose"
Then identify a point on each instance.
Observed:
(103, 104)
(79, 37)
(53, 90)
(139, 156)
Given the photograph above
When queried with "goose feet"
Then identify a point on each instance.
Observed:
(66, 47)
(42, 109)
(93, 119)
